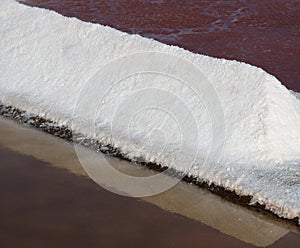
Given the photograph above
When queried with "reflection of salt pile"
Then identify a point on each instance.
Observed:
(47, 58)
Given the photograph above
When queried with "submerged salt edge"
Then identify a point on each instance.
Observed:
(25, 92)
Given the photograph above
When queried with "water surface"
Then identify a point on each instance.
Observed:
(47, 197)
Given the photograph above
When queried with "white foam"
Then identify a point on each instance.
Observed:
(46, 59)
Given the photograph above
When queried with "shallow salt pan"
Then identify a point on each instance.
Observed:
(47, 60)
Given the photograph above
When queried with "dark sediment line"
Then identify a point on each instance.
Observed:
(66, 133)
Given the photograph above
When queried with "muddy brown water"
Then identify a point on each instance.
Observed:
(48, 201)
(42, 206)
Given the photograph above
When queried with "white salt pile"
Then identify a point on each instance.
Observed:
(48, 59)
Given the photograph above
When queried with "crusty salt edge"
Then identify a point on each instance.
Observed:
(64, 132)
(295, 94)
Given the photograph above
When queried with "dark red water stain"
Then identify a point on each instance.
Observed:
(260, 32)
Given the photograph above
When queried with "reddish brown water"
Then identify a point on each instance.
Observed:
(260, 32)
(44, 206)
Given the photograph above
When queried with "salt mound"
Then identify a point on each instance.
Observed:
(47, 59)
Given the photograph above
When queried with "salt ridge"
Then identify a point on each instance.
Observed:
(47, 58)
